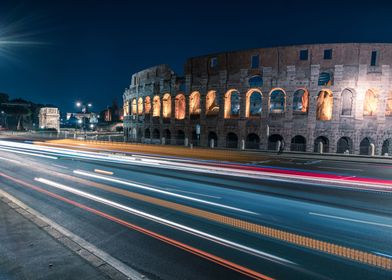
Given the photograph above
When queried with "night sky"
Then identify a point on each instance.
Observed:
(87, 50)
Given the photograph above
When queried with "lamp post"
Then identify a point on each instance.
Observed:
(84, 108)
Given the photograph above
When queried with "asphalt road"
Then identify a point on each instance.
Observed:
(183, 220)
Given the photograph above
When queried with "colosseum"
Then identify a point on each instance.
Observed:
(324, 98)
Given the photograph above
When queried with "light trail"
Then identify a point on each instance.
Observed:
(350, 219)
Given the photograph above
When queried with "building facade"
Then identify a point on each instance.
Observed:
(49, 118)
(330, 98)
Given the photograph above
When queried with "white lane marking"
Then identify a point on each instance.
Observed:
(382, 254)
(118, 181)
(195, 193)
(11, 160)
(27, 153)
(340, 168)
(184, 228)
(59, 166)
(103, 172)
(350, 220)
(120, 266)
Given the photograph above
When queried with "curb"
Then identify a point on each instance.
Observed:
(109, 266)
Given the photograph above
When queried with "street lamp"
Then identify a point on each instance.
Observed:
(82, 121)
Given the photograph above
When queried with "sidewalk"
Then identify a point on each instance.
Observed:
(29, 252)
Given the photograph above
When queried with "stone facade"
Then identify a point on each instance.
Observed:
(49, 118)
(290, 98)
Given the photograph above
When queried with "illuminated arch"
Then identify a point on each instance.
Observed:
(166, 106)
(134, 106)
(347, 100)
(277, 98)
(179, 104)
(126, 108)
(370, 103)
(194, 103)
(254, 100)
(147, 105)
(232, 104)
(140, 106)
(324, 105)
(388, 105)
(301, 100)
(212, 108)
(156, 108)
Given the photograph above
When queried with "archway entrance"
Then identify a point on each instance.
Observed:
(274, 141)
(298, 144)
(231, 140)
(321, 141)
(252, 141)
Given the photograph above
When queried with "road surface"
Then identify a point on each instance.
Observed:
(188, 219)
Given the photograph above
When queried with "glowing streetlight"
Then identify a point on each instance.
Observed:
(78, 104)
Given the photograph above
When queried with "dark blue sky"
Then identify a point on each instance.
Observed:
(89, 49)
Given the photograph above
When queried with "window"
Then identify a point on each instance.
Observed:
(256, 81)
(328, 54)
(373, 60)
(303, 55)
(325, 79)
(255, 62)
(213, 62)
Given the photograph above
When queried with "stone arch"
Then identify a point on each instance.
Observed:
(134, 106)
(180, 105)
(370, 102)
(147, 105)
(255, 81)
(275, 141)
(180, 138)
(167, 135)
(212, 136)
(254, 101)
(252, 141)
(156, 108)
(298, 143)
(140, 106)
(324, 105)
(126, 108)
(156, 134)
(195, 138)
(301, 100)
(147, 133)
(344, 144)
(166, 106)
(277, 100)
(325, 141)
(387, 147)
(232, 104)
(231, 140)
(347, 102)
(194, 104)
(212, 107)
(364, 146)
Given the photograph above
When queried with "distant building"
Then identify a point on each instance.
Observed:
(49, 118)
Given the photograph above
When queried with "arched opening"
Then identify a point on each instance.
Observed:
(323, 142)
(140, 106)
(134, 106)
(147, 105)
(298, 144)
(275, 141)
(166, 106)
(344, 145)
(212, 108)
(387, 147)
(126, 108)
(194, 104)
(167, 135)
(231, 140)
(180, 104)
(255, 82)
(370, 103)
(325, 79)
(180, 139)
(252, 141)
(232, 104)
(301, 101)
(139, 134)
(277, 101)
(324, 105)
(388, 105)
(156, 134)
(212, 136)
(195, 138)
(147, 133)
(364, 147)
(347, 102)
(253, 103)
(156, 109)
